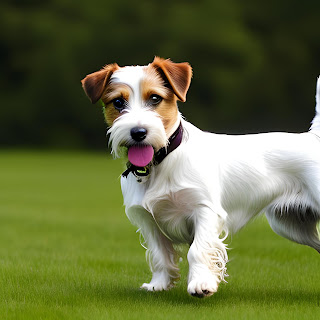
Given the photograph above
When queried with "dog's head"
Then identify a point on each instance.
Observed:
(140, 103)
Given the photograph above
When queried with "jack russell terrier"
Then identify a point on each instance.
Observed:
(183, 185)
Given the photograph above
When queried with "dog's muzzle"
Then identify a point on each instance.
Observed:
(143, 171)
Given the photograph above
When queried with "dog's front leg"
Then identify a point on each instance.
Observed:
(207, 255)
(162, 260)
(161, 255)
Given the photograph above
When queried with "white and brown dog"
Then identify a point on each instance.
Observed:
(183, 185)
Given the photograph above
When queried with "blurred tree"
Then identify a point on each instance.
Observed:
(255, 63)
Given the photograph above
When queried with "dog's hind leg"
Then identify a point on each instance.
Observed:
(300, 228)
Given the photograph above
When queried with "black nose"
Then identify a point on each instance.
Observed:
(138, 133)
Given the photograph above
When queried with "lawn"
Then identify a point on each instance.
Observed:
(67, 251)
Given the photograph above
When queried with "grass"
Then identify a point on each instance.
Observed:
(67, 251)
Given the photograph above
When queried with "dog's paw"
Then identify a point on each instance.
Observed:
(160, 281)
(202, 287)
(153, 286)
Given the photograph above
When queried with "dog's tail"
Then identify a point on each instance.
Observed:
(316, 120)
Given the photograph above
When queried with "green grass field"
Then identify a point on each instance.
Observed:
(67, 251)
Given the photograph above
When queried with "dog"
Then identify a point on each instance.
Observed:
(184, 185)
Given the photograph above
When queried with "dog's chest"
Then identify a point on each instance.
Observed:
(170, 210)
(172, 213)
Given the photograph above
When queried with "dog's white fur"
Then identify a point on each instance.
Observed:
(212, 185)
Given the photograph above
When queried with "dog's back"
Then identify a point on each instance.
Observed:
(315, 127)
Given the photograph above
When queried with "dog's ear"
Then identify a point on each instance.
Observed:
(177, 74)
(94, 84)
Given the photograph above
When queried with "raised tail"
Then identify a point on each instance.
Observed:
(316, 120)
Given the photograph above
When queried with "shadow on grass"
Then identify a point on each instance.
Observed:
(223, 298)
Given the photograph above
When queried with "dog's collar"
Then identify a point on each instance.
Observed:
(173, 143)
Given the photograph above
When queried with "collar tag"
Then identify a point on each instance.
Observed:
(141, 173)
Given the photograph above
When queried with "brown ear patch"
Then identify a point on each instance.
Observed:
(178, 75)
(95, 83)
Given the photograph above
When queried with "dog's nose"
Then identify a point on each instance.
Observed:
(138, 133)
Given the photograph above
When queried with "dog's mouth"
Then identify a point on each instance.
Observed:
(140, 155)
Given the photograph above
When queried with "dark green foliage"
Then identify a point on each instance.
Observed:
(255, 63)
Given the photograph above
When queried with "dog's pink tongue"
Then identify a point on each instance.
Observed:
(140, 155)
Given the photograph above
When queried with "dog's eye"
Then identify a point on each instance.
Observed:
(119, 103)
(155, 99)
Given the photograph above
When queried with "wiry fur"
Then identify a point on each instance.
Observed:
(214, 184)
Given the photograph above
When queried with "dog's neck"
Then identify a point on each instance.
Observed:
(175, 126)
(174, 142)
